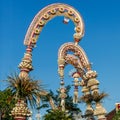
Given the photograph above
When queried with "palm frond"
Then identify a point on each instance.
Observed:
(25, 88)
(99, 96)
(86, 98)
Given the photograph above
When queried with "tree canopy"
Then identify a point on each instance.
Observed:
(7, 102)
(58, 114)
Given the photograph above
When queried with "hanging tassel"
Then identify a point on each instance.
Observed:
(62, 96)
(75, 98)
(63, 104)
(76, 84)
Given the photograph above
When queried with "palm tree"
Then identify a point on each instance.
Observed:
(57, 115)
(26, 91)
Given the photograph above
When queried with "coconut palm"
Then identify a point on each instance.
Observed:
(27, 89)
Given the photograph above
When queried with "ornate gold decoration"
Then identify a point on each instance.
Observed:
(20, 111)
(79, 52)
(61, 63)
(79, 59)
(100, 111)
(37, 31)
(70, 12)
(26, 64)
(61, 9)
(62, 96)
(23, 74)
(89, 110)
(53, 11)
(73, 60)
(85, 90)
(76, 20)
(41, 23)
(93, 84)
(91, 74)
(76, 77)
(47, 14)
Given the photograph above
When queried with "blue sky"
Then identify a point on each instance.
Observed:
(101, 42)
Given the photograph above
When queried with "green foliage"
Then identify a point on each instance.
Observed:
(19, 88)
(69, 105)
(69, 102)
(6, 104)
(57, 115)
(117, 116)
(25, 88)
(97, 97)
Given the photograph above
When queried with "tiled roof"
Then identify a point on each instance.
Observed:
(111, 114)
